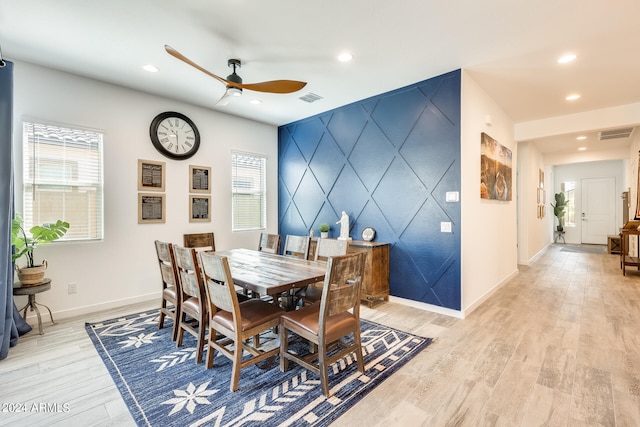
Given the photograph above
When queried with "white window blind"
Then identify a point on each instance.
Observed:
(63, 179)
(249, 199)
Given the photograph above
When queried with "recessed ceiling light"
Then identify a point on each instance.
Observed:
(345, 57)
(572, 97)
(150, 68)
(582, 148)
(566, 58)
(256, 102)
(580, 138)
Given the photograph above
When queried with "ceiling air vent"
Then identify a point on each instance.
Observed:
(310, 97)
(615, 134)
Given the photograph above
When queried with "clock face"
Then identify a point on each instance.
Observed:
(368, 233)
(174, 135)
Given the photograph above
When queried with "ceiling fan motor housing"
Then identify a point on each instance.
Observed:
(233, 77)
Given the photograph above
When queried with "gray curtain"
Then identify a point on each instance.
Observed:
(11, 324)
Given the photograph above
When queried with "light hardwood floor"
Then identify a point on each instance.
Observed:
(559, 345)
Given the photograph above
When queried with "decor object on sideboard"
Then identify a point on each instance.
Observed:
(344, 226)
(324, 230)
(559, 209)
(24, 246)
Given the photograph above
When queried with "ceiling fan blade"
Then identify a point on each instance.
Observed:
(224, 100)
(171, 51)
(274, 86)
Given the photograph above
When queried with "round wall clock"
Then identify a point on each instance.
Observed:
(368, 234)
(174, 135)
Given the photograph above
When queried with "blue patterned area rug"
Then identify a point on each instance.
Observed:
(163, 386)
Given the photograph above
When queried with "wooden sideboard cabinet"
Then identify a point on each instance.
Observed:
(375, 285)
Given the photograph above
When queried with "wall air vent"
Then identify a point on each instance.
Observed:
(310, 97)
(615, 134)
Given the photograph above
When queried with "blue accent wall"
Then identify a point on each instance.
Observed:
(387, 161)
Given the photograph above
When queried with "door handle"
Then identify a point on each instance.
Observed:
(583, 218)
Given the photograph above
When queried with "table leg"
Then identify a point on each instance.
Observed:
(33, 305)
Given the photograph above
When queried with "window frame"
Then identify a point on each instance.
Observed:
(263, 197)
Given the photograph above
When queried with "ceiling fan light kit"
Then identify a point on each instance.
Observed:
(234, 83)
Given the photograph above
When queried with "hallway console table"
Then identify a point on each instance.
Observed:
(30, 291)
(625, 259)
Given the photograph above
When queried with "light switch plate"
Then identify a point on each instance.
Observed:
(452, 196)
(445, 227)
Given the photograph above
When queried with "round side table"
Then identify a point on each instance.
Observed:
(31, 291)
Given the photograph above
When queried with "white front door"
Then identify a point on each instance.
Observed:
(598, 209)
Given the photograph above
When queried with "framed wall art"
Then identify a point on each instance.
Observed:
(151, 208)
(199, 208)
(151, 175)
(495, 170)
(199, 179)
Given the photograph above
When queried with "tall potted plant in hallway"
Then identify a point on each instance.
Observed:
(559, 209)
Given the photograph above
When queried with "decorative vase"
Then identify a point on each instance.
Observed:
(31, 275)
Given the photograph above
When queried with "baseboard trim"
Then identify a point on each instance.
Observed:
(427, 307)
(468, 310)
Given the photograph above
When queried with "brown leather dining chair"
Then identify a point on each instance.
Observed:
(326, 324)
(233, 324)
(325, 248)
(269, 243)
(202, 241)
(170, 286)
(193, 298)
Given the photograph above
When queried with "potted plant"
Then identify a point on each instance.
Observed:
(24, 246)
(558, 209)
(324, 230)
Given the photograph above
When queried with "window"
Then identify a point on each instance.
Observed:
(569, 190)
(249, 198)
(62, 174)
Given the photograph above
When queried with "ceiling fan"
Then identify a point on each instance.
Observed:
(234, 83)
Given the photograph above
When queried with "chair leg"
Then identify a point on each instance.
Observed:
(202, 330)
(322, 364)
(358, 351)
(211, 352)
(176, 320)
(237, 364)
(161, 319)
(284, 348)
(180, 333)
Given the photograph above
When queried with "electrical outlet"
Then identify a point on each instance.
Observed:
(445, 227)
(72, 288)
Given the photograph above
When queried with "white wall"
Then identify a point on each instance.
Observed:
(489, 238)
(122, 269)
(534, 233)
(575, 173)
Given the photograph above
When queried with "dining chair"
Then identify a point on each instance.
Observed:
(201, 241)
(326, 324)
(296, 246)
(232, 324)
(170, 286)
(325, 248)
(193, 298)
(269, 243)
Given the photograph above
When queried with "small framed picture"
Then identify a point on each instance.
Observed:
(199, 208)
(151, 208)
(151, 175)
(199, 179)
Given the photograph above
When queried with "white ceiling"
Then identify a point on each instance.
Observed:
(509, 47)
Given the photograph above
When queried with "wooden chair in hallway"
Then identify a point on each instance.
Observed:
(170, 286)
(193, 310)
(325, 324)
(201, 241)
(325, 248)
(269, 243)
(233, 324)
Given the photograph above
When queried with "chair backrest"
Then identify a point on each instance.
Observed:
(189, 272)
(269, 243)
(218, 284)
(167, 263)
(296, 246)
(342, 285)
(326, 248)
(199, 240)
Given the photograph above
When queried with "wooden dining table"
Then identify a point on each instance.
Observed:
(272, 274)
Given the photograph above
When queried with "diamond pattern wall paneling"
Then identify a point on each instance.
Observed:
(387, 161)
